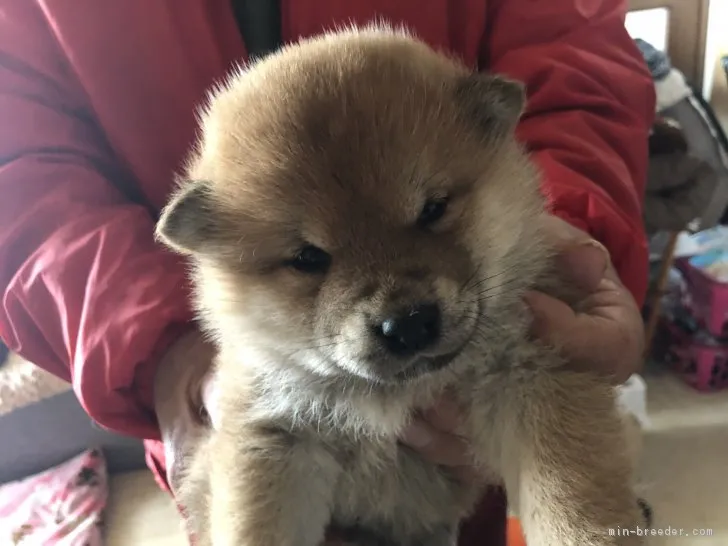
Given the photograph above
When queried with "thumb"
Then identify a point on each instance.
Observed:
(553, 320)
(584, 264)
(557, 324)
(578, 336)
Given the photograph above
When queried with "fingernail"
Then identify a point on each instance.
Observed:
(596, 244)
(600, 248)
(416, 435)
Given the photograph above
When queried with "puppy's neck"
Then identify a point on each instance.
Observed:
(345, 404)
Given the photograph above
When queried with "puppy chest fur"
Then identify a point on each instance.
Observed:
(362, 225)
(361, 482)
(386, 494)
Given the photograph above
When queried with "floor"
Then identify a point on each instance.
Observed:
(684, 465)
(683, 474)
(140, 514)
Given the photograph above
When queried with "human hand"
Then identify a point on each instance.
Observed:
(184, 397)
(603, 332)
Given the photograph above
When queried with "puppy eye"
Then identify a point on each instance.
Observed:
(311, 259)
(433, 210)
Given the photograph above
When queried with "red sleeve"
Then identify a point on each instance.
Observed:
(591, 106)
(86, 293)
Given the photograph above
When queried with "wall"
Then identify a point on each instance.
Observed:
(715, 83)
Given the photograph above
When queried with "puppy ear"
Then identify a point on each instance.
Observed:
(188, 222)
(493, 102)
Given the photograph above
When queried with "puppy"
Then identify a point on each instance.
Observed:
(362, 225)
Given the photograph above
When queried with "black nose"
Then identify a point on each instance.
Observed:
(410, 331)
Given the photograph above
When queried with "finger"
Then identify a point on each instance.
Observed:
(608, 344)
(561, 233)
(580, 258)
(445, 415)
(579, 337)
(606, 313)
(584, 264)
(467, 474)
(552, 319)
(177, 444)
(436, 446)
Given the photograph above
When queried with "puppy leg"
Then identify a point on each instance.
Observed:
(269, 488)
(563, 456)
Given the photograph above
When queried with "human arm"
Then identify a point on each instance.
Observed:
(590, 108)
(86, 292)
(184, 401)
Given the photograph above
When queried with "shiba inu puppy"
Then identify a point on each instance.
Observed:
(362, 225)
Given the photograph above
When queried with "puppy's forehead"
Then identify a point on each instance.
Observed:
(344, 124)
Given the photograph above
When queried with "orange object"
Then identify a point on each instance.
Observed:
(515, 534)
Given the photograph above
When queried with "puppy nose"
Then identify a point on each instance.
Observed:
(410, 331)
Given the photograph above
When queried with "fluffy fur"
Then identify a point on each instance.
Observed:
(339, 142)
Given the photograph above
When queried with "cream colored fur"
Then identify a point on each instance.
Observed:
(337, 142)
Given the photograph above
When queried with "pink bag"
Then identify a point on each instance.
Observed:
(706, 298)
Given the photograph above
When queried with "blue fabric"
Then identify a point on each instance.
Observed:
(657, 61)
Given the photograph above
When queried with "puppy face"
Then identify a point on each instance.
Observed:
(358, 204)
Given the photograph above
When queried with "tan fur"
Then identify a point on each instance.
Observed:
(337, 142)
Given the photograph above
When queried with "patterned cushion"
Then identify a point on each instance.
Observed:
(62, 506)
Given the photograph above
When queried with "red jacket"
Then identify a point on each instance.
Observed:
(97, 104)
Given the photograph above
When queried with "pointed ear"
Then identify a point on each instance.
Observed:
(493, 102)
(189, 222)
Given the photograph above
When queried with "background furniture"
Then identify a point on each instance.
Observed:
(686, 23)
